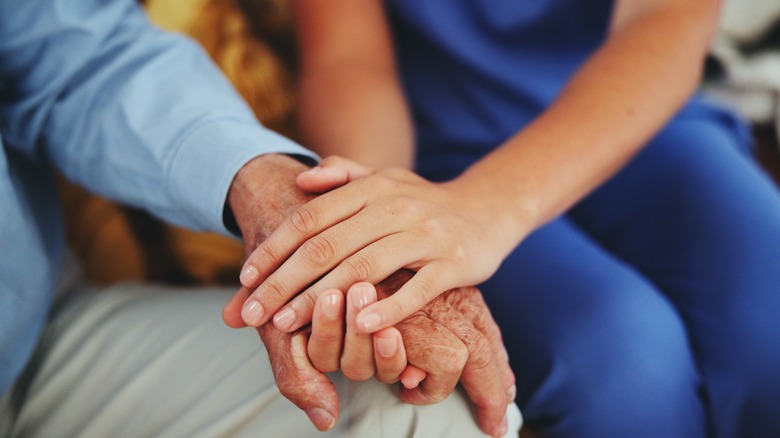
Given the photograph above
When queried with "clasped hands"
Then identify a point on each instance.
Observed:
(426, 339)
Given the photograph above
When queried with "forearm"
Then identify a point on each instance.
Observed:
(350, 98)
(356, 112)
(643, 73)
(128, 111)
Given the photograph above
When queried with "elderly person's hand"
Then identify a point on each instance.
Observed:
(453, 337)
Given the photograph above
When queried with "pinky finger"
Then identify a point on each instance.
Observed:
(412, 376)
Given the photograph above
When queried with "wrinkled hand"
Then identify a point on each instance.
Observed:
(364, 231)
(453, 337)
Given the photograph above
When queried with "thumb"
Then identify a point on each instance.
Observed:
(332, 172)
(231, 313)
(297, 379)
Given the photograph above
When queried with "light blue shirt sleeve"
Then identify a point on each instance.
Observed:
(129, 111)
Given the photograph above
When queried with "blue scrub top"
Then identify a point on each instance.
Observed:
(476, 71)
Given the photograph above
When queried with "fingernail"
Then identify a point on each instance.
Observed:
(511, 393)
(252, 313)
(386, 347)
(362, 296)
(368, 322)
(248, 276)
(330, 306)
(284, 318)
(313, 171)
(321, 418)
(504, 427)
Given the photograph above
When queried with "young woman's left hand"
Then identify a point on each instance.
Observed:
(374, 224)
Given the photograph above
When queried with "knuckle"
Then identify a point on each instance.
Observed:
(305, 220)
(326, 366)
(383, 180)
(431, 227)
(458, 253)
(394, 309)
(359, 268)
(273, 290)
(357, 373)
(438, 397)
(287, 383)
(395, 172)
(269, 254)
(451, 362)
(329, 338)
(323, 364)
(386, 378)
(426, 287)
(318, 251)
(459, 359)
(402, 206)
(493, 402)
(481, 355)
(309, 299)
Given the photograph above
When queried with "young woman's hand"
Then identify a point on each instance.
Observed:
(374, 225)
(336, 344)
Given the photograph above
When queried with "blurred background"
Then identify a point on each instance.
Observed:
(252, 42)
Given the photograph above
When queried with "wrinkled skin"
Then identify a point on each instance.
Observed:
(452, 338)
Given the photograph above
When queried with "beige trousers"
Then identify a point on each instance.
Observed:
(147, 361)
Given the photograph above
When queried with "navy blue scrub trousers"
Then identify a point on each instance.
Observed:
(652, 308)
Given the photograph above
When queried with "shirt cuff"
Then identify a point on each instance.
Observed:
(210, 157)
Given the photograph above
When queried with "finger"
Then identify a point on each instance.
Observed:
(389, 355)
(479, 314)
(297, 379)
(317, 256)
(436, 351)
(424, 286)
(331, 173)
(411, 376)
(306, 221)
(231, 313)
(357, 361)
(344, 248)
(327, 333)
(481, 378)
(371, 264)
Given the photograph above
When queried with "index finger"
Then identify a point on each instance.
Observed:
(481, 377)
(307, 221)
(437, 352)
(297, 378)
(479, 315)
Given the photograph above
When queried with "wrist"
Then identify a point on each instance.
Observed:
(507, 217)
(262, 194)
